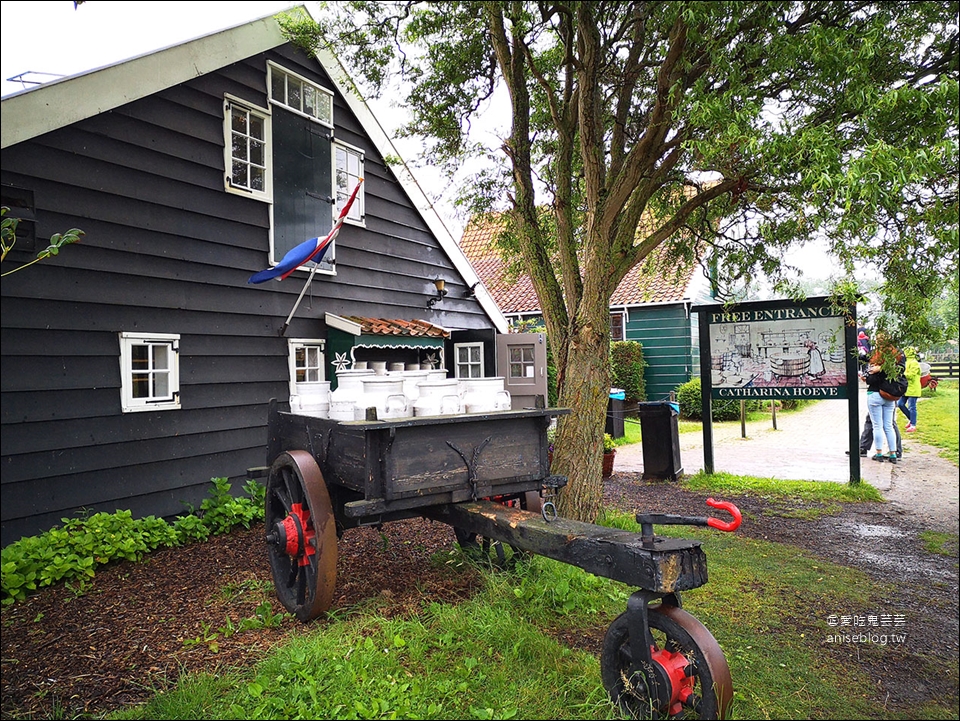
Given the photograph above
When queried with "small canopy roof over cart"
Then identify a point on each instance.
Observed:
(353, 339)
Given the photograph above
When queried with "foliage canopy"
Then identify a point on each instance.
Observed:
(735, 128)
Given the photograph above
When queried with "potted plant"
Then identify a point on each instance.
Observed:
(609, 453)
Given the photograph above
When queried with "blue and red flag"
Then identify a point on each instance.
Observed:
(309, 250)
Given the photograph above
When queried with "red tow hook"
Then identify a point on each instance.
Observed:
(647, 520)
(729, 508)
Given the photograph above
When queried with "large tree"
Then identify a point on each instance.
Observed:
(739, 127)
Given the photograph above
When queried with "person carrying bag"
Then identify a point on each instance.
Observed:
(883, 392)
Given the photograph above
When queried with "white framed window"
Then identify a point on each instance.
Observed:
(347, 170)
(469, 362)
(149, 372)
(522, 361)
(300, 95)
(247, 153)
(307, 360)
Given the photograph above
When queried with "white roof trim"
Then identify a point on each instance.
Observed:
(341, 323)
(53, 105)
(35, 111)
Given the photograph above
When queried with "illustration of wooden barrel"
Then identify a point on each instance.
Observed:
(790, 365)
(716, 361)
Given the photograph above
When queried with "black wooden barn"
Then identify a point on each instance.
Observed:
(138, 364)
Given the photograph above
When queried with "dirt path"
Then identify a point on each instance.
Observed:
(811, 444)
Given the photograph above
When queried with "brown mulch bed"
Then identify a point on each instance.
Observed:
(137, 627)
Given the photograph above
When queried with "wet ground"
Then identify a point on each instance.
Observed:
(812, 444)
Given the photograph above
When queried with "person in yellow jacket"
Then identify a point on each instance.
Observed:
(908, 402)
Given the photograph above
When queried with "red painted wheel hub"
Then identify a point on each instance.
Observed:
(299, 534)
(675, 667)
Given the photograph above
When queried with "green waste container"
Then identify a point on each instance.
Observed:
(660, 433)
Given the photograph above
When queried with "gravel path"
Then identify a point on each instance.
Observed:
(811, 444)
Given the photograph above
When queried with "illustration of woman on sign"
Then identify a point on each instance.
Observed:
(816, 359)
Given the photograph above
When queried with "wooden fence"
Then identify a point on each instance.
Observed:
(945, 369)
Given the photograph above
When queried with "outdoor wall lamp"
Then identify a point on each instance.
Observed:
(440, 283)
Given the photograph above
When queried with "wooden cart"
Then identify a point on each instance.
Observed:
(487, 476)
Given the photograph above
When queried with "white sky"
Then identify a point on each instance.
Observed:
(53, 37)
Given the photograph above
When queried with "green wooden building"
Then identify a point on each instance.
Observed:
(652, 305)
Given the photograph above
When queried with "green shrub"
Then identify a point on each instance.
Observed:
(221, 512)
(689, 397)
(627, 369)
(74, 550)
(552, 393)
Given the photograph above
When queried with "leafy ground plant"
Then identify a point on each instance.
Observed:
(73, 551)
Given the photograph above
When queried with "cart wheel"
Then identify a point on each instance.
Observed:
(489, 551)
(689, 677)
(301, 535)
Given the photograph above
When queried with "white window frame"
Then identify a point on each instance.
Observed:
(266, 193)
(347, 170)
(164, 402)
(457, 363)
(321, 110)
(294, 344)
(525, 364)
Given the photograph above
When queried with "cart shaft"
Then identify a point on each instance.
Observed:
(660, 565)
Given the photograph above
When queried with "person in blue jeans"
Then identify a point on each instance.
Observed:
(908, 402)
(881, 409)
(866, 437)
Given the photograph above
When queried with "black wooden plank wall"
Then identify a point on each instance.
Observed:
(167, 250)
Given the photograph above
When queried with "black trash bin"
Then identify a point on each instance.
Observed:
(615, 414)
(661, 440)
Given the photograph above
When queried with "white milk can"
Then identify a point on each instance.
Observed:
(343, 401)
(438, 398)
(312, 399)
(385, 393)
(482, 395)
(411, 382)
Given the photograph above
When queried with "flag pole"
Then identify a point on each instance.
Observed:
(286, 323)
(334, 231)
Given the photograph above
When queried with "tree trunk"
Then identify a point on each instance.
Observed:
(578, 451)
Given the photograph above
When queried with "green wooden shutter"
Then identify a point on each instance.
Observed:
(302, 182)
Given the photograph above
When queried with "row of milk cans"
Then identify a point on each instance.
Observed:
(399, 394)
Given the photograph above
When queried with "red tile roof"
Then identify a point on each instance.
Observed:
(413, 328)
(656, 280)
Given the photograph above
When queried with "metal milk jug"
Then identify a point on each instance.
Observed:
(343, 401)
(438, 398)
(482, 395)
(385, 393)
(312, 399)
